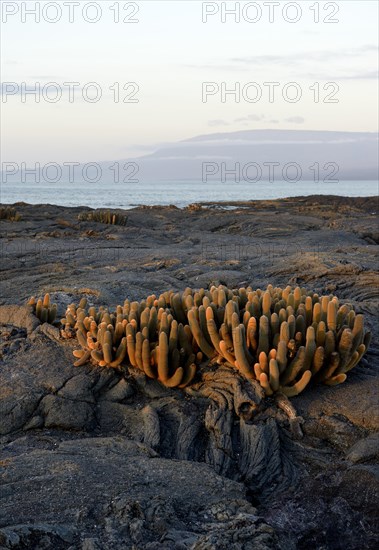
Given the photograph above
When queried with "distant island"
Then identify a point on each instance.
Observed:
(250, 155)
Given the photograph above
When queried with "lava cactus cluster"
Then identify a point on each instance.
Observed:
(283, 338)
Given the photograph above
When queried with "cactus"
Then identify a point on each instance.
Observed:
(151, 341)
(74, 316)
(298, 387)
(242, 356)
(103, 216)
(199, 335)
(279, 338)
(43, 309)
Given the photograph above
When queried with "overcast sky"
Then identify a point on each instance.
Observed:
(169, 54)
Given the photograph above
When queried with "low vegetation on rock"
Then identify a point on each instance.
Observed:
(103, 216)
(9, 213)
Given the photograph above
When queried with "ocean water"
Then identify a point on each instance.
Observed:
(181, 193)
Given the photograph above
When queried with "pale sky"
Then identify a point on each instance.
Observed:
(169, 53)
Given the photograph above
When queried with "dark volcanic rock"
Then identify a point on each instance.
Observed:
(94, 459)
(119, 494)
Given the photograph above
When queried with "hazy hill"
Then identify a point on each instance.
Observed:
(333, 155)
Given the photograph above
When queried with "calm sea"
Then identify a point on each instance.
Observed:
(121, 195)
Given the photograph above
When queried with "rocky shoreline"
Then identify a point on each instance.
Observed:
(92, 458)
